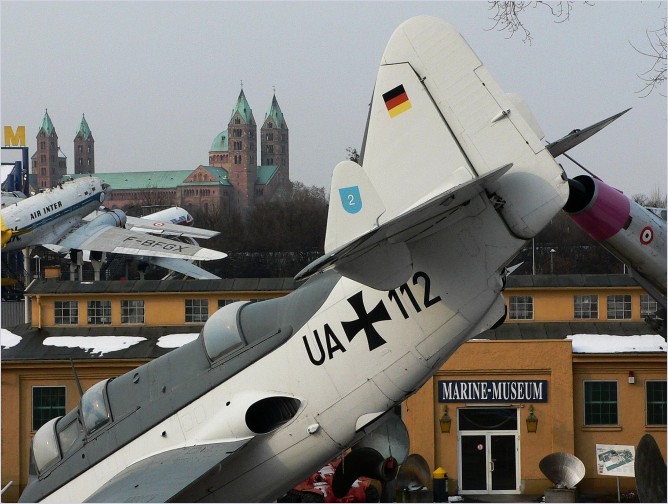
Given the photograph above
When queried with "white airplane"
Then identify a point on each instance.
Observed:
(454, 180)
(57, 217)
(174, 223)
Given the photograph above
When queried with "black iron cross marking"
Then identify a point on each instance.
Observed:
(365, 321)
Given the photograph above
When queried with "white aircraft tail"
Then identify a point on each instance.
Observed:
(440, 130)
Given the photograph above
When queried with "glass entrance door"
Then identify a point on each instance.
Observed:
(488, 451)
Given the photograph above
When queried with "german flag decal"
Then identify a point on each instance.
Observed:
(396, 101)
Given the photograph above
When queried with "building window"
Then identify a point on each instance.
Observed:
(585, 307)
(47, 403)
(656, 402)
(647, 305)
(67, 312)
(600, 403)
(132, 311)
(521, 307)
(197, 310)
(619, 306)
(99, 312)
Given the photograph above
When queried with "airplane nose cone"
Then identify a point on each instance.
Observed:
(6, 234)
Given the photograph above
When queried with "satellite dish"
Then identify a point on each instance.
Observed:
(562, 469)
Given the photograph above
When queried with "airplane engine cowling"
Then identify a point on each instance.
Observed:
(114, 218)
(599, 209)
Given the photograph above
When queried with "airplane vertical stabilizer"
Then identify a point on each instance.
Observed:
(438, 118)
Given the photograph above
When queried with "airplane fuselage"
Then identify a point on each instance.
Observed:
(347, 349)
(44, 217)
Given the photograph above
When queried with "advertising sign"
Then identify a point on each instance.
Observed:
(615, 460)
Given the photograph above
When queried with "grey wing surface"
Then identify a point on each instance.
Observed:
(164, 476)
(123, 241)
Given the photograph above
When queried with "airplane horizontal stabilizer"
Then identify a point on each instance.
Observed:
(122, 241)
(164, 476)
(182, 266)
(578, 136)
(354, 205)
(380, 258)
(168, 228)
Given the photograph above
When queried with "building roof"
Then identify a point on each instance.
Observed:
(275, 114)
(243, 109)
(141, 180)
(563, 281)
(265, 173)
(561, 330)
(220, 176)
(83, 130)
(160, 286)
(47, 125)
(220, 143)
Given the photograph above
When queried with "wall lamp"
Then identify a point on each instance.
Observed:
(532, 421)
(445, 421)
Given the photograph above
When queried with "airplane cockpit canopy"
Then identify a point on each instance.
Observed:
(221, 333)
(45, 445)
(93, 407)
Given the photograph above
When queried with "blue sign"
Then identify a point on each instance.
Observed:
(351, 199)
(490, 391)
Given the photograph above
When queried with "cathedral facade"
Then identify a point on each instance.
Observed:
(232, 181)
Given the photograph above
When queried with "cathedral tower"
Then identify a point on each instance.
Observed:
(274, 140)
(242, 144)
(47, 162)
(84, 149)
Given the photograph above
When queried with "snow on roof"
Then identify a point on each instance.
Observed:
(94, 344)
(100, 344)
(605, 343)
(8, 339)
(176, 340)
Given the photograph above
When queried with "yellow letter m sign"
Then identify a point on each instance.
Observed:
(15, 138)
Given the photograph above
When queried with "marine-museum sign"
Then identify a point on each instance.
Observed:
(490, 391)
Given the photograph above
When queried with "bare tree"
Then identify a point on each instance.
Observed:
(507, 15)
(656, 74)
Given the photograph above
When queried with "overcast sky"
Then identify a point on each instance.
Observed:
(158, 81)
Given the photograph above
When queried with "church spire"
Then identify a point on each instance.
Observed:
(243, 109)
(84, 129)
(275, 114)
(47, 125)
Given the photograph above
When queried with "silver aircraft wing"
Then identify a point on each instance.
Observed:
(104, 238)
(162, 477)
(182, 266)
(168, 228)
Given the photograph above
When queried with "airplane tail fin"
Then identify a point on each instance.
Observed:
(440, 131)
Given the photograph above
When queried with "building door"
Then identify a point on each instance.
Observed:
(488, 451)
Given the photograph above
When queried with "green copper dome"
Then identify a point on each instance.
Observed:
(220, 143)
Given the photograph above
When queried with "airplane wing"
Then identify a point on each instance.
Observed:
(157, 227)
(164, 476)
(115, 240)
(578, 136)
(167, 228)
(182, 266)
